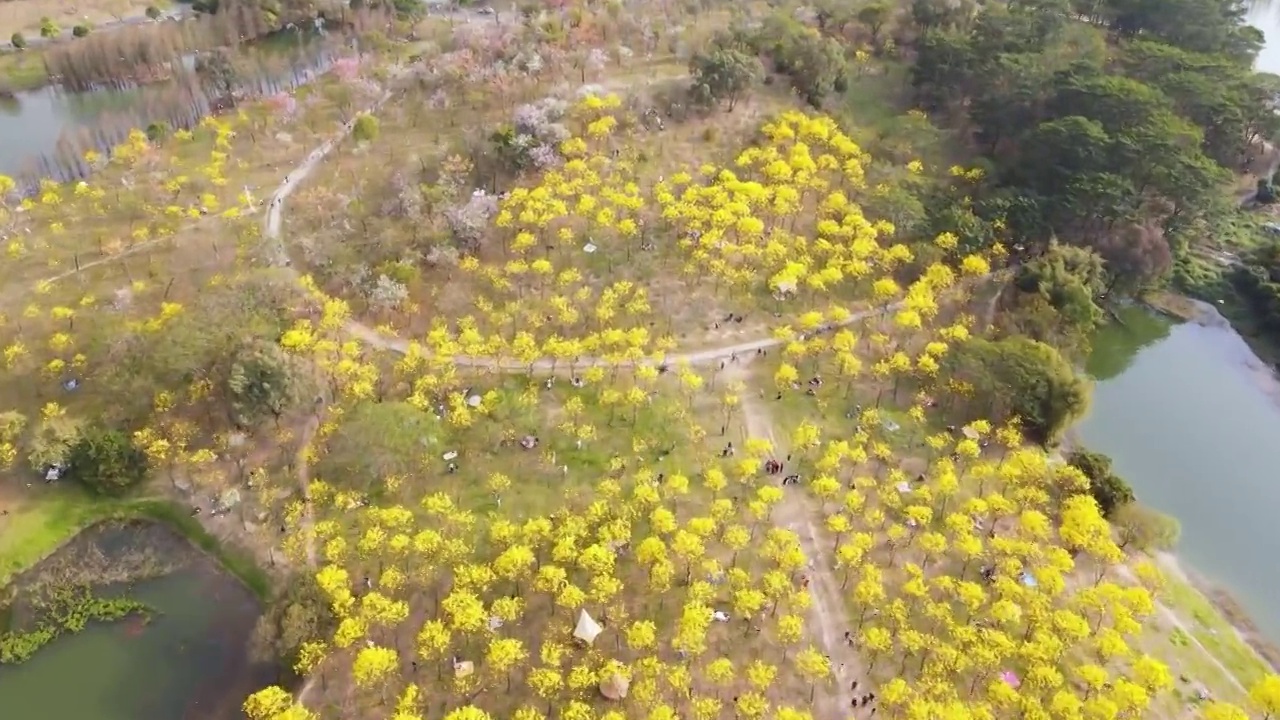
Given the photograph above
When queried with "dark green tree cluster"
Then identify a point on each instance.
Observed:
(722, 75)
(1257, 282)
(106, 461)
(1109, 489)
(814, 62)
(1117, 133)
(1023, 378)
(1055, 298)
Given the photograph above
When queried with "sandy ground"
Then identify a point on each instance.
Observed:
(828, 617)
(25, 15)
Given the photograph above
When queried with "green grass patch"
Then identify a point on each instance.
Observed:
(41, 526)
(22, 71)
(1207, 625)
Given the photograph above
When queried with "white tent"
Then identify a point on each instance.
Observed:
(587, 629)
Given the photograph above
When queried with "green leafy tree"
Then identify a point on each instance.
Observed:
(1144, 528)
(873, 17)
(365, 128)
(1066, 276)
(816, 67)
(1109, 490)
(1024, 378)
(106, 461)
(723, 74)
(51, 443)
(262, 382)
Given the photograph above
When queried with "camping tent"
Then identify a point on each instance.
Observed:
(587, 629)
(615, 686)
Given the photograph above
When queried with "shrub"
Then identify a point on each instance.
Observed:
(157, 131)
(80, 31)
(18, 41)
(106, 461)
(366, 128)
(153, 12)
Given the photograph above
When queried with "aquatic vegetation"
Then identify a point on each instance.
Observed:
(65, 610)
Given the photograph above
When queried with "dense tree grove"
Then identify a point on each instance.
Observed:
(1115, 134)
(1257, 280)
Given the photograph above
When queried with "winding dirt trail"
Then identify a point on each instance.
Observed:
(828, 617)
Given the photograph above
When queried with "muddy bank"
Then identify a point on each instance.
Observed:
(110, 554)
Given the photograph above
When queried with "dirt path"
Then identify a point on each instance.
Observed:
(1172, 618)
(302, 466)
(828, 618)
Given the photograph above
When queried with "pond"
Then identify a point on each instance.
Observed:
(33, 123)
(1191, 418)
(188, 663)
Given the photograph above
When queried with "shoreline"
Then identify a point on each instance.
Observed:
(1233, 613)
(235, 562)
(1183, 309)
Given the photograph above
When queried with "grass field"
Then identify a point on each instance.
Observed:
(40, 523)
(1207, 625)
(22, 71)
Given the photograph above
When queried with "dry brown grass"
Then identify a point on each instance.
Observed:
(25, 16)
(339, 221)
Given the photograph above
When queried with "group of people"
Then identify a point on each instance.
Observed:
(863, 700)
(774, 466)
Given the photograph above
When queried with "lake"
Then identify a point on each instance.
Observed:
(188, 663)
(32, 123)
(1191, 418)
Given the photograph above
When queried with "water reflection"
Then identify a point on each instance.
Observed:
(1191, 425)
(1117, 344)
(34, 125)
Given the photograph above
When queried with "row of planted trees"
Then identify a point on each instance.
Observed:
(981, 590)
(986, 589)
(132, 291)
